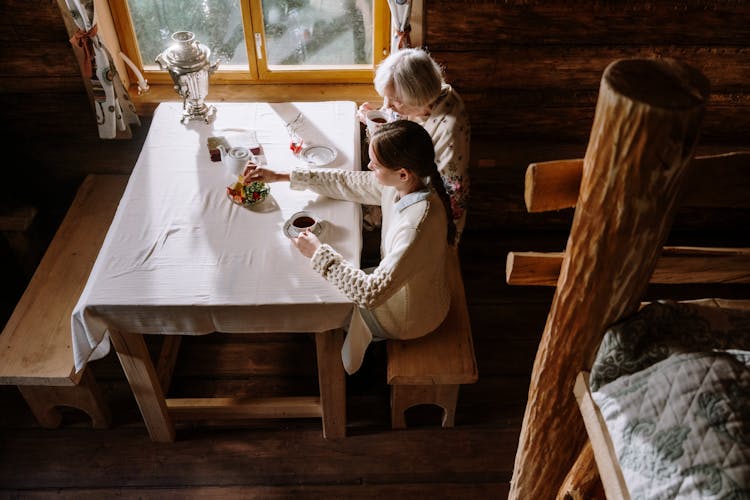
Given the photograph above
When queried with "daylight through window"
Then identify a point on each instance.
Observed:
(302, 40)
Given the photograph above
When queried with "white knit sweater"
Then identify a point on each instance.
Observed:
(407, 293)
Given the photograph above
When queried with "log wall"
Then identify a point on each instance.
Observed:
(529, 72)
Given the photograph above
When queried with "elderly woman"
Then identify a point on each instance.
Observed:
(412, 86)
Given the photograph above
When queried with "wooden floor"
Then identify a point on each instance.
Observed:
(289, 458)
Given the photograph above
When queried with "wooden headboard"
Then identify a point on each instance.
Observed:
(637, 168)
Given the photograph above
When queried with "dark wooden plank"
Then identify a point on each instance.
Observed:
(83, 459)
(565, 115)
(434, 491)
(34, 32)
(29, 11)
(230, 358)
(49, 118)
(63, 84)
(25, 60)
(485, 23)
(580, 67)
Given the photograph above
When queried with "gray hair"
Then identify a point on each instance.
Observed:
(416, 78)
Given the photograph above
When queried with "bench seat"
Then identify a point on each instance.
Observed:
(35, 345)
(430, 369)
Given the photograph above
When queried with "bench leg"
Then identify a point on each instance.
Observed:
(86, 396)
(404, 397)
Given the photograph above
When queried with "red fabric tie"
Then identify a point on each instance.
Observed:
(84, 40)
(404, 40)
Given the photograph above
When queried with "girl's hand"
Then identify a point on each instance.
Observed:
(255, 173)
(306, 243)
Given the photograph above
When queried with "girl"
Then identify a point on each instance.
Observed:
(406, 295)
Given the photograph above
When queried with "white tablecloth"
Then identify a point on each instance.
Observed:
(180, 258)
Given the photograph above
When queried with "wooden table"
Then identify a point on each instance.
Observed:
(181, 259)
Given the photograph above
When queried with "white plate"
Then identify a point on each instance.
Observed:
(288, 228)
(318, 156)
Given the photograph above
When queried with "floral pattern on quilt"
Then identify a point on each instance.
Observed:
(664, 328)
(673, 386)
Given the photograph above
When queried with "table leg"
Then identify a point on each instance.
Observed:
(332, 382)
(141, 374)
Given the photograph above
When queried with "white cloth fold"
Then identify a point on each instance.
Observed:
(356, 343)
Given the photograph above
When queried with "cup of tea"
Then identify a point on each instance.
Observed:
(300, 222)
(375, 118)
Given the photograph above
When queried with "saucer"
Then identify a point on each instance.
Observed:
(288, 228)
(319, 155)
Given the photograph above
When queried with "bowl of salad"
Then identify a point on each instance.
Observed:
(248, 194)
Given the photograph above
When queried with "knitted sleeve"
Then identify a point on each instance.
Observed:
(360, 187)
(366, 290)
(373, 289)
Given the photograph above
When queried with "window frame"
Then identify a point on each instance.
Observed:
(258, 71)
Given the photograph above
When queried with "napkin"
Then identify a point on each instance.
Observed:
(213, 146)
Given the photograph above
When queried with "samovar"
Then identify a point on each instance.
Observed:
(188, 64)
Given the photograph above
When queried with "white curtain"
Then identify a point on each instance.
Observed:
(115, 112)
(400, 13)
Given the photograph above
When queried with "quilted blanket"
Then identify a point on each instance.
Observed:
(673, 386)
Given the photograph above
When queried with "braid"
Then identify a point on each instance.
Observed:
(407, 144)
(437, 182)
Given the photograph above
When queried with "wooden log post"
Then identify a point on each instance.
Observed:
(582, 481)
(646, 124)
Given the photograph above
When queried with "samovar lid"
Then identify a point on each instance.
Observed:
(186, 55)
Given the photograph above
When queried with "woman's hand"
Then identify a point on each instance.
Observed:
(306, 243)
(362, 111)
(255, 173)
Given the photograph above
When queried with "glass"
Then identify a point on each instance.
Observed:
(318, 32)
(216, 23)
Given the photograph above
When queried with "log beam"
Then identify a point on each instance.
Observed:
(676, 266)
(711, 181)
(646, 124)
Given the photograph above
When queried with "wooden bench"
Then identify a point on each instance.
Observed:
(430, 370)
(35, 346)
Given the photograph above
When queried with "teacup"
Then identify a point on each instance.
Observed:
(302, 221)
(374, 119)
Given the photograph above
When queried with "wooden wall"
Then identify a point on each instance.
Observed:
(49, 136)
(529, 72)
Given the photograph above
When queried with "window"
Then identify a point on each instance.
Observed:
(262, 40)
